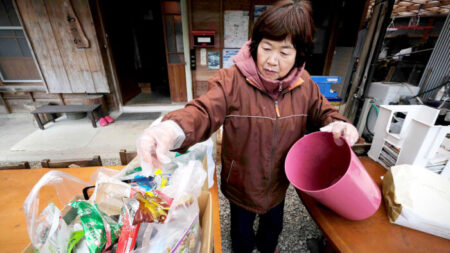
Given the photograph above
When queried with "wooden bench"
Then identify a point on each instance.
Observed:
(22, 165)
(95, 161)
(52, 109)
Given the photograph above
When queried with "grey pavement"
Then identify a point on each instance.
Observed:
(22, 140)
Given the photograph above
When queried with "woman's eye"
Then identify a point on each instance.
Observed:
(284, 53)
(266, 49)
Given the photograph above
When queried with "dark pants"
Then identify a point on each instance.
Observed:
(243, 237)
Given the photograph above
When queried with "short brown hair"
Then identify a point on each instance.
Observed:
(286, 18)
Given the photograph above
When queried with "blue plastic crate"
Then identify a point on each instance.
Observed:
(324, 83)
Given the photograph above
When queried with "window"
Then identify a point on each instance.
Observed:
(174, 32)
(16, 60)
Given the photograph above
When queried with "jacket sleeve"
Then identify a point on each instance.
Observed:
(201, 117)
(321, 112)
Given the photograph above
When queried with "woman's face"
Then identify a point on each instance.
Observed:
(275, 58)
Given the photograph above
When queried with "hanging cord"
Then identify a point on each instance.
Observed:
(418, 15)
(415, 20)
(432, 89)
(412, 93)
(414, 52)
(373, 106)
(391, 27)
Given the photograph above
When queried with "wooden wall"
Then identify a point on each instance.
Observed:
(71, 75)
(65, 67)
(341, 26)
(208, 15)
(205, 15)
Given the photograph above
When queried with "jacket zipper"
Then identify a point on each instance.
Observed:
(277, 109)
(229, 172)
(274, 141)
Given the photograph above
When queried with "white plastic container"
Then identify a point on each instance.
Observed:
(386, 92)
(417, 142)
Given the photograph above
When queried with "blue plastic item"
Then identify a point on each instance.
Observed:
(324, 83)
(336, 99)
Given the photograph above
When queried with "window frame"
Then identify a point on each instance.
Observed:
(21, 28)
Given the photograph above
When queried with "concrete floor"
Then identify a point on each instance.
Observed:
(22, 140)
(149, 98)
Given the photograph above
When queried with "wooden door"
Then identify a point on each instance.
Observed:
(173, 37)
(65, 44)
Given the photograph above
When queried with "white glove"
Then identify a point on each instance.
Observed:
(154, 144)
(342, 129)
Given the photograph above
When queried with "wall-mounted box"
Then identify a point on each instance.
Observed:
(204, 38)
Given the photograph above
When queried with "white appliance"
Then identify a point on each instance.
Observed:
(388, 92)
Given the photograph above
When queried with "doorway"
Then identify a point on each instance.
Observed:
(136, 38)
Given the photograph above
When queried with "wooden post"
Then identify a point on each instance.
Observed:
(31, 96)
(426, 33)
(390, 74)
(8, 108)
(332, 43)
(61, 98)
(44, 163)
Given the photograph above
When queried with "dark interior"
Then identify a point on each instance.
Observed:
(135, 33)
(344, 15)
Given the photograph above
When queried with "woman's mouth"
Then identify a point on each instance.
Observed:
(269, 72)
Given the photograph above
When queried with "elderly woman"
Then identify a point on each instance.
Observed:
(265, 102)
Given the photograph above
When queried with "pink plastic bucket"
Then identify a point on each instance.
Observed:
(333, 175)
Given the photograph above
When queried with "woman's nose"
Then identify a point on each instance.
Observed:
(272, 60)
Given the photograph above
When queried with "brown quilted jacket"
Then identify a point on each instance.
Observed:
(257, 132)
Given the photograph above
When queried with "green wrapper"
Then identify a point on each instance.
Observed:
(93, 222)
(137, 169)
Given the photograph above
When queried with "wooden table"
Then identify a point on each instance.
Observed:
(375, 234)
(52, 109)
(16, 185)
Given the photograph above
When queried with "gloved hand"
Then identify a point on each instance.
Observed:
(342, 129)
(154, 144)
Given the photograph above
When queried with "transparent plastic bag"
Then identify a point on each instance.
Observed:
(181, 231)
(180, 235)
(197, 152)
(53, 230)
(66, 187)
(106, 171)
(130, 171)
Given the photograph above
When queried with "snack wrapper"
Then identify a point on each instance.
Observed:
(152, 208)
(100, 230)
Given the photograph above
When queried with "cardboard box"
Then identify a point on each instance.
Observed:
(206, 222)
(145, 88)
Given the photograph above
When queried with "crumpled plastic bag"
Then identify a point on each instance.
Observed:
(53, 230)
(67, 187)
(181, 231)
(109, 193)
